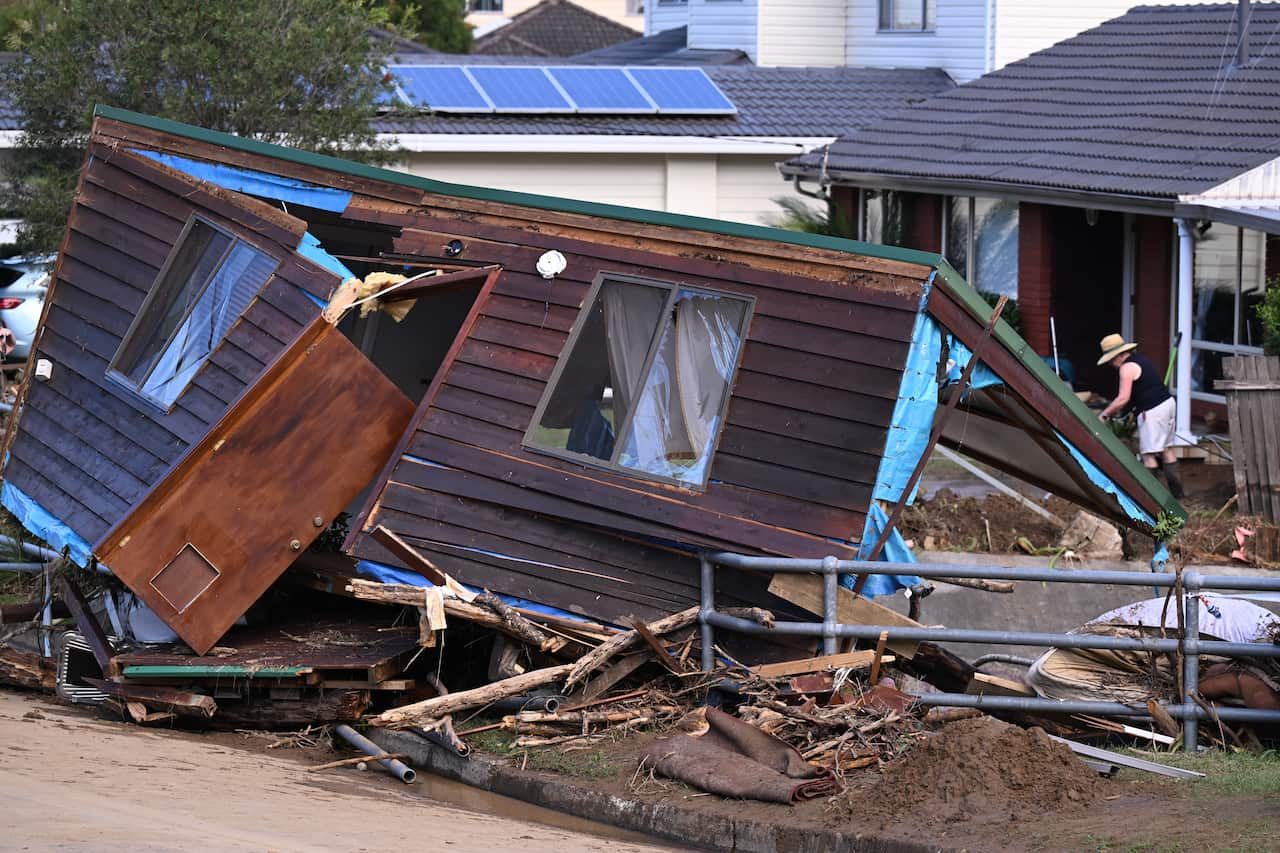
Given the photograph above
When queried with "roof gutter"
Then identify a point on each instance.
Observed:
(1118, 202)
(570, 143)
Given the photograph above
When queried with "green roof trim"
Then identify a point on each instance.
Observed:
(586, 208)
(1012, 341)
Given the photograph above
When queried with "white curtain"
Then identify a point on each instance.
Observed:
(226, 297)
(632, 314)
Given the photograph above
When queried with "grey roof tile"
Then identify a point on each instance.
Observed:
(1143, 105)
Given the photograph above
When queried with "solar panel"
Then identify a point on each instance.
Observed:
(446, 88)
(682, 90)
(520, 89)
(602, 90)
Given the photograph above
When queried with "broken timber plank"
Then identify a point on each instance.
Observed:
(404, 551)
(664, 657)
(613, 674)
(854, 660)
(428, 710)
(806, 591)
(983, 684)
(26, 669)
(166, 699)
(86, 621)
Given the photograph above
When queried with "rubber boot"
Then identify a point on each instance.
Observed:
(1173, 476)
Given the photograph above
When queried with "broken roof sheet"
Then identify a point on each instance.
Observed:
(1145, 105)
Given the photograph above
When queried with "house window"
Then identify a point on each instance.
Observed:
(907, 15)
(484, 5)
(644, 380)
(980, 240)
(206, 283)
(1229, 280)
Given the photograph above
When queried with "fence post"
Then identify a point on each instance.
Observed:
(830, 605)
(708, 606)
(1190, 659)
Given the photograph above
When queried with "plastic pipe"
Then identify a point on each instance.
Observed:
(31, 550)
(402, 771)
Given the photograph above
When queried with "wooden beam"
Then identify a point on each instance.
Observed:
(852, 660)
(408, 554)
(806, 591)
(86, 622)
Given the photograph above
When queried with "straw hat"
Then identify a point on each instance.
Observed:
(1112, 346)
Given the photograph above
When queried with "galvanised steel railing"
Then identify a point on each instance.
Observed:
(831, 630)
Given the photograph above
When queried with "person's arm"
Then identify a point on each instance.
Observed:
(1129, 372)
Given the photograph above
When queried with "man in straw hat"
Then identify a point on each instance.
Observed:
(1142, 390)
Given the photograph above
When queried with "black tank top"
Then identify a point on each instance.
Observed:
(1149, 389)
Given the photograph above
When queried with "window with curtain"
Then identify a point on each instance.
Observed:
(981, 242)
(643, 383)
(206, 283)
(1229, 280)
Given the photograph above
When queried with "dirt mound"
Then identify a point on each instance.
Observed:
(948, 522)
(980, 769)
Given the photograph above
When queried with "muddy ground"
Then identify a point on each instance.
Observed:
(958, 516)
(982, 787)
(74, 782)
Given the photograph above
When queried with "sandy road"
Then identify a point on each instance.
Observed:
(71, 781)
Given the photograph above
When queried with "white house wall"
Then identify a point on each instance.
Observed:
(1025, 26)
(802, 32)
(724, 24)
(615, 10)
(659, 16)
(737, 188)
(957, 45)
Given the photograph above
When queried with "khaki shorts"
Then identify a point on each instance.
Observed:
(1156, 426)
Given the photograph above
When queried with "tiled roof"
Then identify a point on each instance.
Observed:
(669, 47)
(1143, 105)
(796, 102)
(553, 28)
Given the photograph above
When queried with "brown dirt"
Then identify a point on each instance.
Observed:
(948, 522)
(979, 770)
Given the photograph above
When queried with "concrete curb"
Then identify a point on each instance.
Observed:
(661, 820)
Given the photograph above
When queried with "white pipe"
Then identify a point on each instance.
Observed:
(1186, 261)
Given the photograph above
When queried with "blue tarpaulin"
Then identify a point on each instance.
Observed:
(1102, 481)
(45, 524)
(254, 183)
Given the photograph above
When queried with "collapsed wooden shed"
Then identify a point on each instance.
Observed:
(600, 392)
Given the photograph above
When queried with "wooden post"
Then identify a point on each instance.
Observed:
(938, 424)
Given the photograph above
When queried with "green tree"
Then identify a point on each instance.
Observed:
(294, 72)
(438, 23)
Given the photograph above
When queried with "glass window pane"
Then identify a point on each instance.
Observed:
(930, 14)
(677, 417)
(995, 246)
(235, 284)
(1206, 367)
(1260, 252)
(602, 375)
(180, 286)
(907, 14)
(1214, 279)
(957, 248)
(872, 216)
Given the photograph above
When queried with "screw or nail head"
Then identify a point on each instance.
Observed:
(318, 521)
(295, 545)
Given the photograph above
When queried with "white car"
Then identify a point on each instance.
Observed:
(26, 280)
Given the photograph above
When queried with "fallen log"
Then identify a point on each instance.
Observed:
(414, 596)
(1005, 587)
(26, 669)
(421, 713)
(518, 626)
(601, 654)
(162, 699)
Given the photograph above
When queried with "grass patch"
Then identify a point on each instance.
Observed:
(1227, 774)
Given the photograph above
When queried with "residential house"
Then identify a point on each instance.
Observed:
(1128, 175)
(555, 28)
(965, 38)
(487, 16)
(579, 399)
(720, 163)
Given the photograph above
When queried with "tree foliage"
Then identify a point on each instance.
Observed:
(441, 24)
(301, 73)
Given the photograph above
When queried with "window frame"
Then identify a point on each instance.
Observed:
(113, 371)
(474, 7)
(884, 13)
(584, 314)
(1234, 348)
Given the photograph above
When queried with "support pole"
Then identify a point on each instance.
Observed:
(706, 632)
(1186, 267)
(1191, 584)
(830, 608)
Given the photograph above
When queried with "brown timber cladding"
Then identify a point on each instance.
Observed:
(795, 464)
(88, 449)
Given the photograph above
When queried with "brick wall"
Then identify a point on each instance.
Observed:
(1035, 273)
